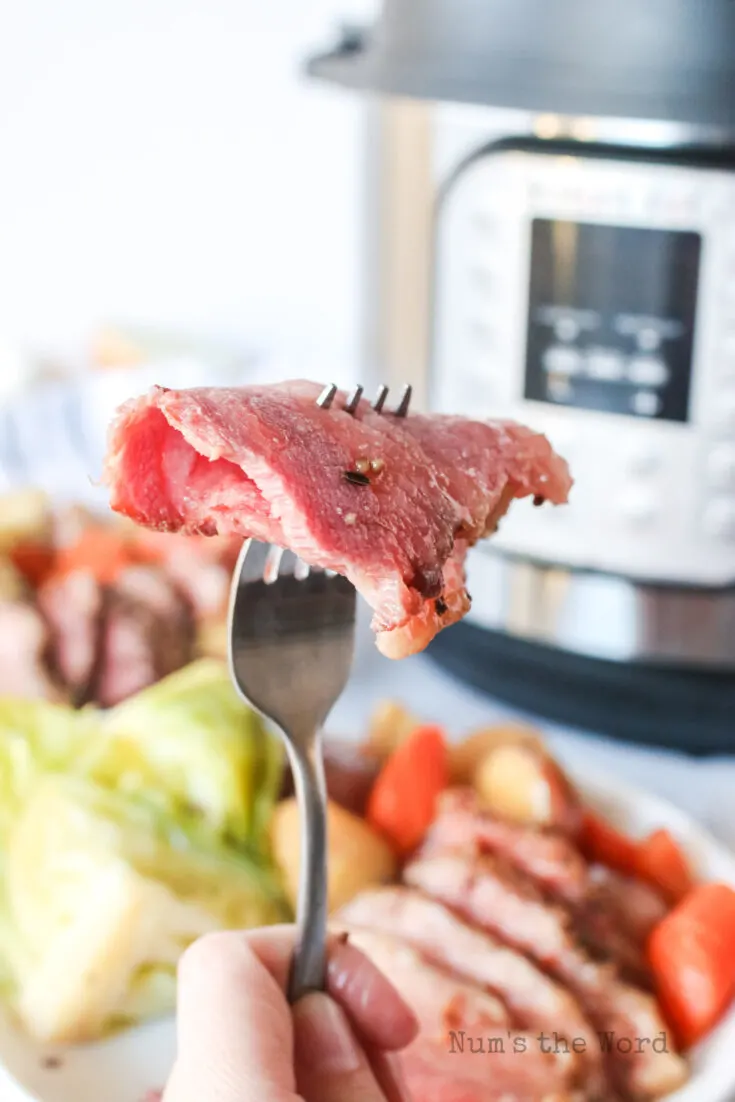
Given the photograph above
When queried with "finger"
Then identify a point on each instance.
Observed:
(375, 1008)
(331, 1064)
(235, 1033)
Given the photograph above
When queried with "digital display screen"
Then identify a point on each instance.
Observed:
(611, 318)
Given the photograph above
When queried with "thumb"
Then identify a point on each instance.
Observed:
(235, 1032)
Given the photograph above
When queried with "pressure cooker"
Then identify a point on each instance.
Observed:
(550, 212)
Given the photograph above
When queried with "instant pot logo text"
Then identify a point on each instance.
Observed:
(552, 1043)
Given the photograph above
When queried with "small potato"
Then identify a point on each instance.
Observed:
(520, 782)
(465, 756)
(24, 514)
(211, 639)
(390, 725)
(357, 857)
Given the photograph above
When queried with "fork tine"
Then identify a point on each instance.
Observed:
(251, 561)
(402, 408)
(326, 397)
(381, 397)
(353, 400)
(272, 563)
(288, 563)
(301, 570)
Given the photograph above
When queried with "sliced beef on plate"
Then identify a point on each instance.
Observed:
(148, 633)
(465, 1078)
(552, 861)
(108, 642)
(637, 906)
(127, 653)
(73, 607)
(390, 502)
(205, 583)
(623, 1014)
(548, 857)
(534, 1000)
(488, 892)
(202, 568)
(490, 895)
(438, 999)
(453, 1013)
(606, 935)
(24, 642)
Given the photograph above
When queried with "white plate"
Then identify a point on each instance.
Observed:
(123, 1069)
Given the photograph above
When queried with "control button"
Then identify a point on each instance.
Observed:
(560, 360)
(639, 507)
(719, 519)
(603, 363)
(559, 388)
(721, 467)
(645, 403)
(566, 329)
(647, 371)
(648, 339)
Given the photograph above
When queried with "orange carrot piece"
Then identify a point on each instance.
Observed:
(102, 551)
(662, 863)
(603, 843)
(692, 954)
(403, 799)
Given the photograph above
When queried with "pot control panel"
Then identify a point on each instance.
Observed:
(594, 299)
(610, 319)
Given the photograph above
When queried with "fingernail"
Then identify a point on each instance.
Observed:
(323, 1037)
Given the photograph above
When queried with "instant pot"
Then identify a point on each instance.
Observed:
(551, 237)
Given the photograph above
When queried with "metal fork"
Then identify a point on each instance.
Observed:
(290, 648)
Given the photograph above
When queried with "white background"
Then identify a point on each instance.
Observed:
(165, 161)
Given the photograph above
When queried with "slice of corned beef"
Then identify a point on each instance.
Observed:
(489, 895)
(465, 1032)
(548, 857)
(534, 1000)
(392, 503)
(551, 861)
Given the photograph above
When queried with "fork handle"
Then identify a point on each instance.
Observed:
(308, 968)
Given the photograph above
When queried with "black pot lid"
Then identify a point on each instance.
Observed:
(664, 60)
